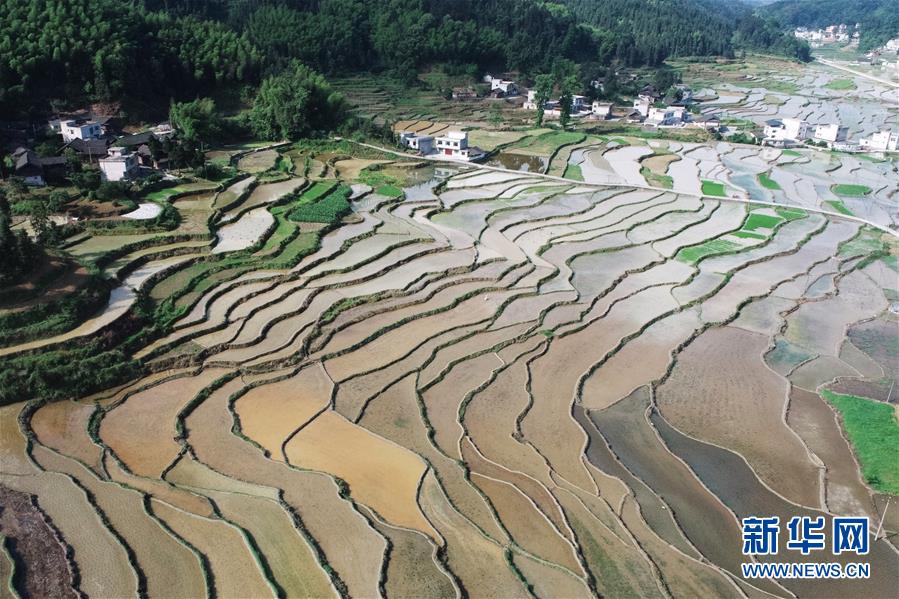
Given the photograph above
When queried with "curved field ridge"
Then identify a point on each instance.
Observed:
(509, 388)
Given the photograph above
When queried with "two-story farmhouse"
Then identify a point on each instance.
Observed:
(83, 129)
(121, 164)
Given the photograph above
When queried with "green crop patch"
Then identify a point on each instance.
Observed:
(317, 190)
(573, 171)
(749, 235)
(391, 191)
(761, 221)
(656, 180)
(851, 190)
(713, 188)
(696, 253)
(791, 213)
(768, 183)
(164, 194)
(840, 84)
(840, 207)
(328, 209)
(547, 143)
(874, 433)
(866, 243)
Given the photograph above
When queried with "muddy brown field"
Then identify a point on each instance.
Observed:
(495, 385)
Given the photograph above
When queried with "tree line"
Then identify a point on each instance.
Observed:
(146, 52)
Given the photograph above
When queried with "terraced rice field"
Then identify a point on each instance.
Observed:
(761, 88)
(500, 385)
(845, 183)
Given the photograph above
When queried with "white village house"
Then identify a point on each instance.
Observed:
(80, 129)
(642, 104)
(422, 143)
(601, 110)
(831, 133)
(785, 131)
(119, 165)
(455, 145)
(882, 141)
(507, 87)
(452, 145)
(670, 116)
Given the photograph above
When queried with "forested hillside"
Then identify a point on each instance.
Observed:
(648, 31)
(147, 52)
(109, 50)
(878, 19)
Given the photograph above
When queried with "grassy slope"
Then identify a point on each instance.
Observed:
(873, 430)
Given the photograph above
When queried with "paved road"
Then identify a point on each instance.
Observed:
(837, 65)
(438, 158)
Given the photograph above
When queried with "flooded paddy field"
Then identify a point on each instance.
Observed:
(762, 88)
(491, 384)
(808, 178)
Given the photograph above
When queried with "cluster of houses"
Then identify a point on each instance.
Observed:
(452, 145)
(579, 107)
(499, 88)
(827, 35)
(887, 56)
(791, 131)
(649, 108)
(33, 169)
(92, 140)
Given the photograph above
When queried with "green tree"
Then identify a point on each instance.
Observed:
(610, 84)
(86, 180)
(664, 78)
(296, 103)
(569, 84)
(18, 254)
(196, 121)
(543, 87)
(47, 232)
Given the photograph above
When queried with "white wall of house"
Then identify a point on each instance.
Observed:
(789, 130)
(601, 110)
(832, 133)
(507, 87)
(72, 130)
(119, 165)
(422, 143)
(796, 129)
(672, 115)
(455, 145)
(642, 105)
(883, 141)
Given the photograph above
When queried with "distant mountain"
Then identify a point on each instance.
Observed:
(878, 19)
